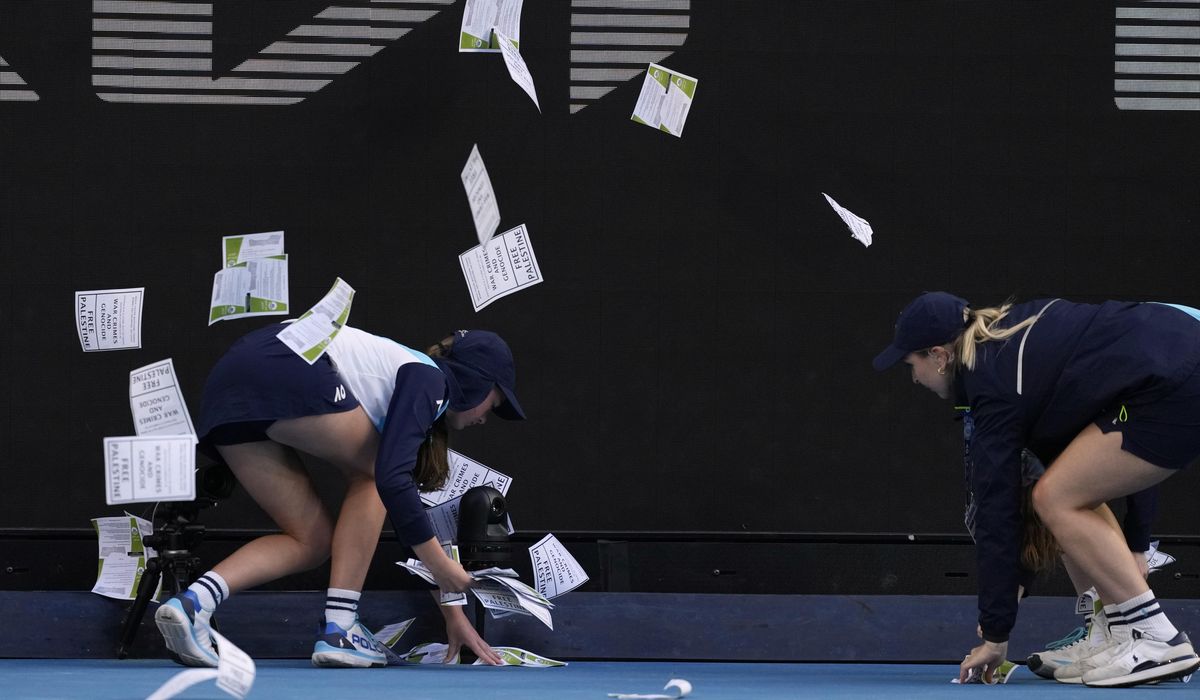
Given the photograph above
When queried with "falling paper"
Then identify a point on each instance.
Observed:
(145, 469)
(859, 228)
(517, 69)
(503, 266)
(465, 473)
(254, 287)
(312, 333)
(1157, 559)
(239, 249)
(480, 196)
(109, 319)
(123, 555)
(389, 635)
(156, 402)
(665, 100)
(676, 688)
(480, 16)
(234, 673)
(554, 569)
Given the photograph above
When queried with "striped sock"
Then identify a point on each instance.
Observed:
(341, 607)
(211, 589)
(1141, 613)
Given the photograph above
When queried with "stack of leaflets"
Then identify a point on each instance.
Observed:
(498, 590)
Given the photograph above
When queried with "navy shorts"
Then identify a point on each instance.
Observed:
(1164, 431)
(258, 381)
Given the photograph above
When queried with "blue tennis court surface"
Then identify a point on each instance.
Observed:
(293, 679)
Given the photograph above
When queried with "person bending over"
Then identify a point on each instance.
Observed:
(1113, 390)
(378, 412)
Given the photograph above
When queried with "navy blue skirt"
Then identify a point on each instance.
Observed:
(258, 381)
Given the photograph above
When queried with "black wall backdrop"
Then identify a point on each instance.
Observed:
(698, 357)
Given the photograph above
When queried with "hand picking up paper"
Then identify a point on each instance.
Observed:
(676, 687)
(999, 677)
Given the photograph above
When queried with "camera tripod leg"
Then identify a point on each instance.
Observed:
(133, 618)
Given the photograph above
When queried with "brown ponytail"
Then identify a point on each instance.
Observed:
(433, 464)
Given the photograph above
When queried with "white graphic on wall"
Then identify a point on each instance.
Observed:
(1156, 57)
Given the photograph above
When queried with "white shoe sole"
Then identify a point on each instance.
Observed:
(177, 633)
(1165, 672)
(333, 659)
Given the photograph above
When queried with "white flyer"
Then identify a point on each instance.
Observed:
(665, 100)
(254, 287)
(503, 266)
(480, 195)
(444, 519)
(555, 571)
(109, 319)
(312, 333)
(123, 555)
(859, 228)
(674, 689)
(1156, 558)
(145, 469)
(465, 474)
(430, 653)
(515, 656)
(390, 634)
(481, 16)
(156, 401)
(234, 673)
(239, 249)
(517, 70)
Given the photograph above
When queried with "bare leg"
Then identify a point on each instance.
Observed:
(1091, 471)
(1079, 579)
(349, 442)
(277, 481)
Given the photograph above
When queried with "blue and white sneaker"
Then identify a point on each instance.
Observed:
(185, 629)
(347, 648)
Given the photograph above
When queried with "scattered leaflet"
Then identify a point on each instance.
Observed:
(480, 195)
(503, 266)
(430, 653)
(515, 656)
(109, 319)
(417, 567)
(999, 677)
(497, 590)
(517, 70)
(481, 16)
(675, 688)
(389, 635)
(466, 473)
(239, 249)
(859, 228)
(1157, 558)
(312, 333)
(665, 100)
(555, 571)
(156, 401)
(234, 673)
(123, 555)
(145, 469)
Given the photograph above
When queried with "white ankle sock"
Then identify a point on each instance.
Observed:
(341, 607)
(1141, 613)
(211, 589)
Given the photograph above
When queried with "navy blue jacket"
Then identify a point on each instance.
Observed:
(1078, 361)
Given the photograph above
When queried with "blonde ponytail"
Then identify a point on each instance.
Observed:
(980, 323)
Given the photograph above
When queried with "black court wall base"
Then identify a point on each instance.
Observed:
(606, 626)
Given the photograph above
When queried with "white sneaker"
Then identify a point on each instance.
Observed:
(1045, 663)
(185, 629)
(1088, 660)
(1144, 660)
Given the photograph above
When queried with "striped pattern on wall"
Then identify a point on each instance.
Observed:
(152, 51)
(12, 87)
(1157, 55)
(613, 40)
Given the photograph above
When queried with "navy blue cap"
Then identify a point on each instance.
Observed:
(479, 360)
(934, 318)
